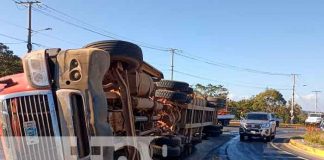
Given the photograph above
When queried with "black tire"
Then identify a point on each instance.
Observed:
(173, 85)
(178, 97)
(127, 52)
(169, 141)
(268, 139)
(190, 90)
(196, 140)
(212, 128)
(171, 151)
(123, 152)
(242, 138)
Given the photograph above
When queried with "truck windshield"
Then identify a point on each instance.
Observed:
(257, 117)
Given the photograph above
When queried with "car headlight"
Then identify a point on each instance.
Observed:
(35, 67)
(265, 125)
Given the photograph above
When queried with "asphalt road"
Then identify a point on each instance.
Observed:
(254, 149)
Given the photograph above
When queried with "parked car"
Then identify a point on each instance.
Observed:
(314, 118)
(258, 124)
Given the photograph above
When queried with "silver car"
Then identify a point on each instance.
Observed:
(258, 124)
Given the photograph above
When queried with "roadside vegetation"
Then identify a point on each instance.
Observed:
(270, 100)
(9, 63)
(314, 136)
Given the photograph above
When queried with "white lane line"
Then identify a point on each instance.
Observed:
(274, 146)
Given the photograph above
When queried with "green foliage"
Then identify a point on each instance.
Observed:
(268, 101)
(9, 63)
(210, 90)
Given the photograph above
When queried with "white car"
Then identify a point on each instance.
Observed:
(258, 124)
(314, 118)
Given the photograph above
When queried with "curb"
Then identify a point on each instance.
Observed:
(307, 149)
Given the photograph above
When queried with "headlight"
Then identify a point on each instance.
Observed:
(35, 67)
(265, 125)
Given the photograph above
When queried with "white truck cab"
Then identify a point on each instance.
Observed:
(314, 118)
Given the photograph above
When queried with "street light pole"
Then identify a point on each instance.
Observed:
(293, 99)
(316, 92)
(29, 4)
(173, 51)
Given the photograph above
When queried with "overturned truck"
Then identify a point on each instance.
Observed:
(104, 89)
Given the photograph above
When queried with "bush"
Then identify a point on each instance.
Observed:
(314, 136)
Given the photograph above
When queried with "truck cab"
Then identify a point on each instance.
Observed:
(314, 118)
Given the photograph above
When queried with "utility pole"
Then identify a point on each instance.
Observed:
(293, 99)
(29, 5)
(316, 92)
(173, 51)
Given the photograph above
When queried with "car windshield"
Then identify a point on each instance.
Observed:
(314, 115)
(257, 116)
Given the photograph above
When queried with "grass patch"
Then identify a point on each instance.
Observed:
(314, 137)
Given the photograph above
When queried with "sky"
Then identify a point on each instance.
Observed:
(276, 36)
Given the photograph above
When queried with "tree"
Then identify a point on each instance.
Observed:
(9, 63)
(211, 90)
(269, 101)
(240, 108)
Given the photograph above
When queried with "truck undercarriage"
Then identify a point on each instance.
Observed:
(102, 90)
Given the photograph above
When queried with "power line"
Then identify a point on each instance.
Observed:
(96, 28)
(41, 33)
(240, 85)
(14, 38)
(21, 40)
(229, 66)
(196, 58)
(12, 42)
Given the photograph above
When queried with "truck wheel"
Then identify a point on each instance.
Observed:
(171, 151)
(123, 152)
(196, 140)
(169, 141)
(123, 51)
(190, 90)
(173, 85)
(178, 97)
